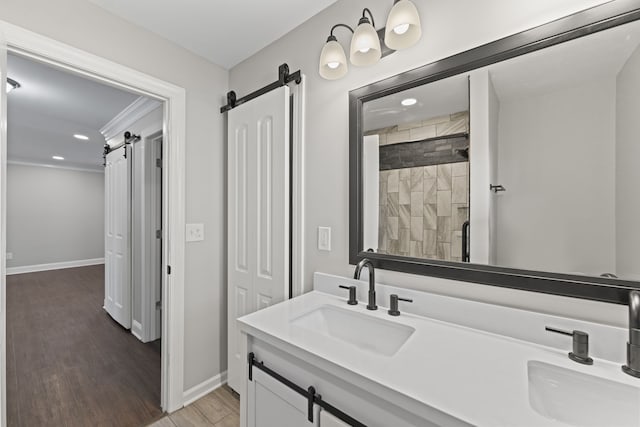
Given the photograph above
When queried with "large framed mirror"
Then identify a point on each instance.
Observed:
(513, 164)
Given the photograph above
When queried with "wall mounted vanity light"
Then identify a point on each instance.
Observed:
(12, 84)
(403, 30)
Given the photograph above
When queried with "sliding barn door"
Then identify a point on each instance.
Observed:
(258, 213)
(117, 284)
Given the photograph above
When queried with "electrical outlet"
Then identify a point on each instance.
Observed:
(9, 255)
(195, 232)
(324, 238)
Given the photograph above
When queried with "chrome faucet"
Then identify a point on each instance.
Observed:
(633, 346)
(372, 281)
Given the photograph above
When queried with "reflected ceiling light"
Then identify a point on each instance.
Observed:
(12, 84)
(57, 158)
(368, 45)
(408, 102)
(333, 61)
(81, 137)
(365, 43)
(403, 28)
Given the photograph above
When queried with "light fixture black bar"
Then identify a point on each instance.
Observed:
(284, 77)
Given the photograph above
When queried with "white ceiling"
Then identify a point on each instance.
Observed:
(50, 107)
(223, 31)
(442, 97)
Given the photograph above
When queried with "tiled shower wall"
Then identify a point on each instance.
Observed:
(422, 209)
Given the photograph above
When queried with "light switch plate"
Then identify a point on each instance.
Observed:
(195, 232)
(324, 238)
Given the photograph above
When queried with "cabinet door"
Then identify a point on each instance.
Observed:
(271, 403)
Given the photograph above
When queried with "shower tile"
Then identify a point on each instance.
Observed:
(416, 228)
(459, 189)
(407, 126)
(392, 204)
(404, 240)
(429, 241)
(443, 251)
(430, 217)
(417, 183)
(392, 228)
(460, 214)
(396, 137)
(382, 194)
(429, 185)
(436, 120)
(449, 128)
(415, 249)
(417, 203)
(464, 115)
(444, 203)
(393, 181)
(405, 216)
(430, 171)
(444, 176)
(459, 169)
(392, 247)
(404, 194)
(456, 244)
(444, 229)
(423, 132)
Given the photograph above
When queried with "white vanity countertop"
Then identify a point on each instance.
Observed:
(478, 377)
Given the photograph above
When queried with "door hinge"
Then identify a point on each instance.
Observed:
(158, 234)
(158, 305)
(158, 163)
(168, 269)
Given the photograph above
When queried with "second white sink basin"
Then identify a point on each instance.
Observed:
(580, 399)
(368, 333)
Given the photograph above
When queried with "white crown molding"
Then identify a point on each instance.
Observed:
(46, 165)
(127, 117)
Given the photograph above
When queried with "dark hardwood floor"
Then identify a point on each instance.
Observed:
(68, 362)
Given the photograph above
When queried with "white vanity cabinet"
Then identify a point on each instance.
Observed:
(271, 403)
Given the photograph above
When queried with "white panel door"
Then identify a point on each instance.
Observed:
(258, 213)
(117, 292)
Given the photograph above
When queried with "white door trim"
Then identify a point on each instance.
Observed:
(297, 188)
(44, 49)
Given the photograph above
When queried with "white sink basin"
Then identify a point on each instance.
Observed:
(580, 399)
(368, 333)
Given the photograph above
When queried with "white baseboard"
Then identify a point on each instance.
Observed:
(205, 387)
(136, 329)
(54, 266)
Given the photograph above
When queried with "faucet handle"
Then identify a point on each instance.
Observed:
(393, 304)
(580, 351)
(352, 294)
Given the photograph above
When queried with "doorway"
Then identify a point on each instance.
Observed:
(72, 359)
(49, 51)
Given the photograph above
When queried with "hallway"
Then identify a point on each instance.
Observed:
(68, 362)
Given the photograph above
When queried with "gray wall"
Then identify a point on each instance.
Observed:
(557, 161)
(627, 171)
(327, 125)
(102, 33)
(54, 215)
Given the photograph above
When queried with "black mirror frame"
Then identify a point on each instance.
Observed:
(580, 24)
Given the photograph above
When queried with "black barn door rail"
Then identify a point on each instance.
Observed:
(309, 394)
(284, 77)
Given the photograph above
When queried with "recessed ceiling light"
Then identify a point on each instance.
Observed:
(12, 84)
(81, 137)
(57, 158)
(409, 101)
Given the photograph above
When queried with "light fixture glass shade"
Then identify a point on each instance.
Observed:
(333, 61)
(365, 45)
(403, 26)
